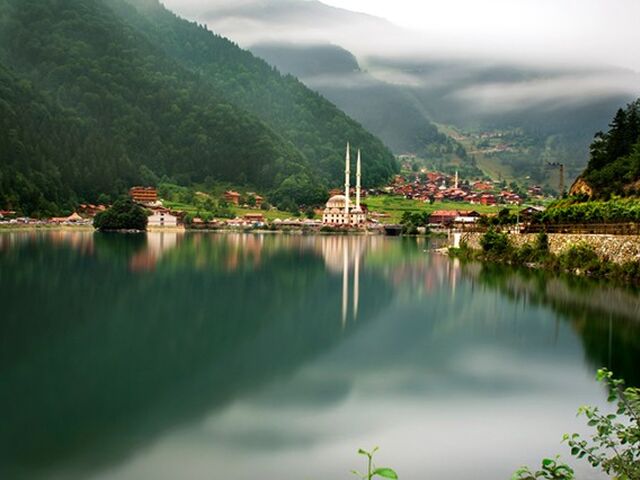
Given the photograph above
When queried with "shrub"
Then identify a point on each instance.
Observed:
(309, 212)
(579, 257)
(409, 229)
(495, 244)
(614, 447)
(528, 253)
(551, 469)
(542, 243)
(123, 215)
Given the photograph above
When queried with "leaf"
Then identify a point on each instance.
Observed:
(385, 473)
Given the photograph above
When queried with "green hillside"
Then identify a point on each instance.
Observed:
(303, 117)
(110, 103)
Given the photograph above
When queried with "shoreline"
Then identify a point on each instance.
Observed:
(576, 260)
(89, 228)
(44, 227)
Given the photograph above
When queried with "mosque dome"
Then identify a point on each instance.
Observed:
(337, 201)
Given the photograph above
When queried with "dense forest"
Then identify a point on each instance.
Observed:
(614, 164)
(303, 117)
(42, 149)
(97, 95)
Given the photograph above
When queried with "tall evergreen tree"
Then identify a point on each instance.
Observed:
(614, 166)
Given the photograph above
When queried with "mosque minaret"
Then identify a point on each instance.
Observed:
(339, 210)
(347, 180)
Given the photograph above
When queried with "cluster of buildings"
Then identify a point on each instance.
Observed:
(234, 198)
(160, 217)
(447, 218)
(164, 218)
(438, 187)
(9, 217)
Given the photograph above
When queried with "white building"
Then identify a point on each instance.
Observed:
(339, 210)
(162, 219)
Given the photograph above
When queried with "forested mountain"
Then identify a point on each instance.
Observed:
(119, 95)
(614, 164)
(305, 118)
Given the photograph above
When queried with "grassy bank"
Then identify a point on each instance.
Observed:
(198, 210)
(396, 206)
(579, 259)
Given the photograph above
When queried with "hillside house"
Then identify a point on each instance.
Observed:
(443, 217)
(162, 219)
(144, 195)
(232, 197)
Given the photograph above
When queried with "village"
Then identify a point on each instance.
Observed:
(437, 191)
(346, 209)
(433, 187)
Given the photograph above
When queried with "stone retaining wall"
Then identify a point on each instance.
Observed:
(615, 248)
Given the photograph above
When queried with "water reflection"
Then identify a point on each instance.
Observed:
(227, 355)
(111, 355)
(605, 318)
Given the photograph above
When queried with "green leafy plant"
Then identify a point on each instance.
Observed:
(550, 469)
(495, 244)
(124, 214)
(615, 446)
(372, 470)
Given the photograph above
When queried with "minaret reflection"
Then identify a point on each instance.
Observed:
(340, 253)
(453, 275)
(356, 287)
(345, 283)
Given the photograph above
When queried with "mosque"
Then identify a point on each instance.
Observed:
(339, 209)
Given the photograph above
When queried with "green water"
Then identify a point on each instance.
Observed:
(228, 356)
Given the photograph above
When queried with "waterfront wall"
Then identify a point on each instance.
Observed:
(615, 248)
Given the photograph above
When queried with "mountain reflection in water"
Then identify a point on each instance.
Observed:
(203, 355)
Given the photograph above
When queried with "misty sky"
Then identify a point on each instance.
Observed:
(586, 32)
(589, 31)
(566, 46)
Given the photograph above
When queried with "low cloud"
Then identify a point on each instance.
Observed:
(551, 93)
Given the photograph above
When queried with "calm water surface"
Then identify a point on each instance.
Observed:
(228, 356)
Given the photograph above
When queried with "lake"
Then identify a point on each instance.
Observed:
(232, 356)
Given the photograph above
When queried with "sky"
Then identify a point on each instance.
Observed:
(570, 45)
(590, 31)
(585, 32)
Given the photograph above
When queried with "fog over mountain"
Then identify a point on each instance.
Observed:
(565, 59)
(553, 68)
